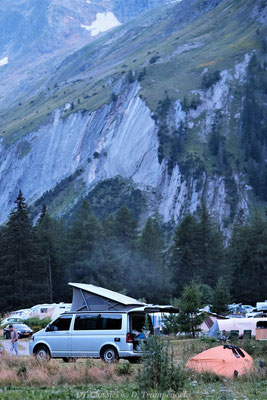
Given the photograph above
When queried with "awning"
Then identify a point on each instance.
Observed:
(151, 308)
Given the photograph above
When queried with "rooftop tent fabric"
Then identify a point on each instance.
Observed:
(94, 298)
(225, 361)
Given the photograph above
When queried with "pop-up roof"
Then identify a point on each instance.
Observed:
(95, 298)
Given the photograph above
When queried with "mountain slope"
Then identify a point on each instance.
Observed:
(117, 108)
(35, 37)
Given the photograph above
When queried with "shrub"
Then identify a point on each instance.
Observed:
(114, 97)
(124, 369)
(208, 340)
(159, 371)
(195, 102)
(130, 76)
(22, 370)
(209, 377)
(153, 59)
(37, 324)
(141, 75)
(210, 78)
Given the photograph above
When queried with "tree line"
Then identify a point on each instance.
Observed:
(38, 260)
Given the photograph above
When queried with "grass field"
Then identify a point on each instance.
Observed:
(25, 378)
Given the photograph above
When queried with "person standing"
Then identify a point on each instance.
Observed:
(14, 340)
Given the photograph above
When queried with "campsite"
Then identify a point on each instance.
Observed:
(133, 199)
(208, 366)
(88, 379)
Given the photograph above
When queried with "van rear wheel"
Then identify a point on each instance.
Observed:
(109, 355)
(69, 359)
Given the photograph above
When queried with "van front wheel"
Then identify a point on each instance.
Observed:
(42, 353)
(109, 355)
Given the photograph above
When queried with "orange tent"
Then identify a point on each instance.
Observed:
(222, 360)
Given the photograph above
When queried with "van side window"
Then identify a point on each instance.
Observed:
(91, 322)
(62, 323)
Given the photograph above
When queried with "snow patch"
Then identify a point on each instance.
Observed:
(103, 22)
(4, 61)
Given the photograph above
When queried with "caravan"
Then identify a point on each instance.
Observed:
(101, 324)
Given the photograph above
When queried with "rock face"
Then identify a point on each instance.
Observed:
(118, 135)
(119, 139)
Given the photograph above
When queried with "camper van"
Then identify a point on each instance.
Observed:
(102, 324)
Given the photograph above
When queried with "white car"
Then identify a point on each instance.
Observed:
(11, 320)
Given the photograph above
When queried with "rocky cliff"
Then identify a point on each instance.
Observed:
(120, 139)
(144, 110)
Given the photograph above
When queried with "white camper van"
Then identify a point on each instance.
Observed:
(102, 324)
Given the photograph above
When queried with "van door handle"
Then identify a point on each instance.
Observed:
(67, 333)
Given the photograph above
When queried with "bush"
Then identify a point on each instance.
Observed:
(159, 371)
(255, 348)
(114, 97)
(37, 324)
(210, 78)
(195, 102)
(141, 75)
(130, 76)
(209, 377)
(208, 340)
(153, 59)
(124, 369)
(22, 370)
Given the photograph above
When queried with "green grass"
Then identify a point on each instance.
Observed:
(98, 380)
(195, 388)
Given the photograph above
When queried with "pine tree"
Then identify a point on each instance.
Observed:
(185, 252)
(221, 298)
(46, 233)
(248, 257)
(207, 294)
(190, 318)
(210, 249)
(150, 242)
(23, 279)
(85, 233)
(125, 226)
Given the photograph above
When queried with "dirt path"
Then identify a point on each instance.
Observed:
(23, 347)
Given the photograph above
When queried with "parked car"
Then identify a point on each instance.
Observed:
(105, 335)
(23, 331)
(247, 308)
(11, 320)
